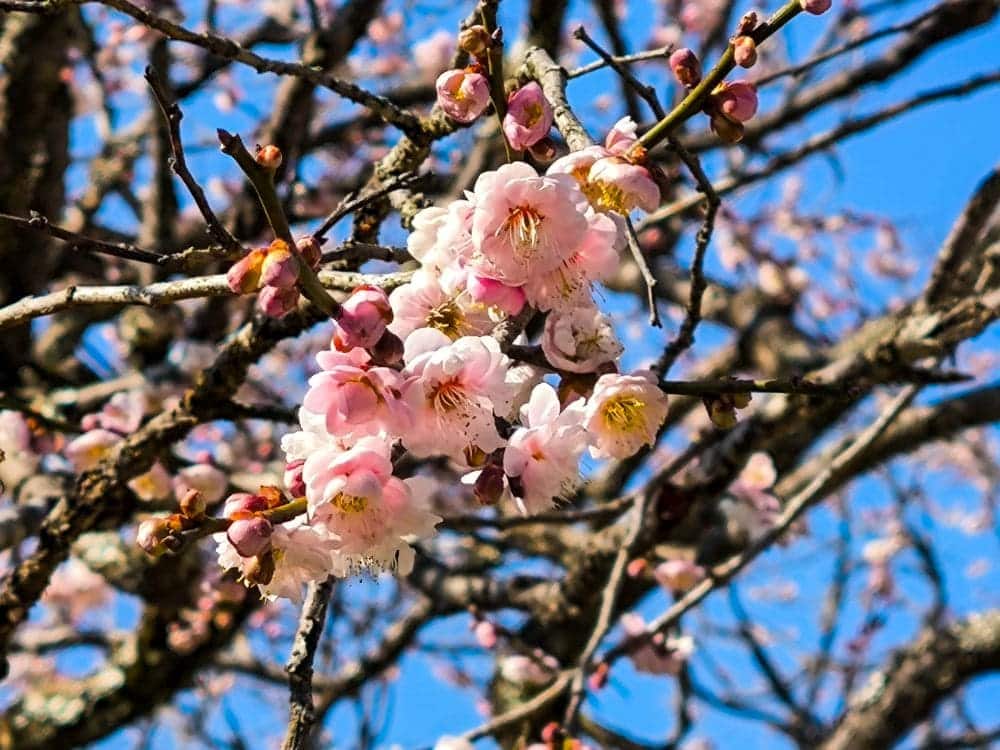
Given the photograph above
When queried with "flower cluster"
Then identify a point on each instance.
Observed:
(274, 272)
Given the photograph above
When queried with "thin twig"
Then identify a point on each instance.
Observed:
(172, 114)
(647, 275)
(123, 250)
(300, 665)
(353, 202)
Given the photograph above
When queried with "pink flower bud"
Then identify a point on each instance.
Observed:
(276, 302)
(528, 118)
(816, 7)
(310, 251)
(686, 67)
(244, 274)
(294, 483)
(152, 535)
(269, 156)
(599, 677)
(745, 51)
(363, 319)
(280, 267)
(494, 293)
(636, 567)
(462, 94)
(736, 99)
(243, 503)
(251, 536)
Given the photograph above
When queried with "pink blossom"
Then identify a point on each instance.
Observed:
(463, 95)
(580, 340)
(243, 276)
(438, 301)
(656, 654)
(205, 478)
(678, 575)
(20, 459)
(621, 137)
(151, 485)
(356, 498)
(355, 398)
(432, 55)
(525, 224)
(454, 388)
(293, 480)
(280, 267)
(528, 118)
(623, 186)
(363, 319)
(544, 454)
(486, 634)
(122, 414)
(442, 236)
(816, 7)
(521, 669)
(624, 413)
(492, 293)
(758, 472)
(92, 447)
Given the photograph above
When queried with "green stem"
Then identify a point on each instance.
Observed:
(693, 102)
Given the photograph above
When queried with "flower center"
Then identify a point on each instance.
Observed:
(447, 318)
(350, 503)
(448, 396)
(625, 414)
(522, 225)
(532, 114)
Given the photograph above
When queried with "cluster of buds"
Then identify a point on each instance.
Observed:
(722, 408)
(464, 93)
(731, 104)
(249, 530)
(274, 272)
(157, 536)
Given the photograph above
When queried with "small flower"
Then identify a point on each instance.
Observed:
(678, 575)
(656, 654)
(624, 413)
(251, 536)
(92, 447)
(463, 95)
(580, 340)
(438, 301)
(363, 319)
(624, 186)
(686, 67)
(153, 536)
(209, 481)
(528, 118)
(151, 485)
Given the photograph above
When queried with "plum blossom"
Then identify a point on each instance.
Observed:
(462, 94)
(441, 302)
(544, 454)
(495, 294)
(656, 654)
(580, 340)
(678, 575)
(453, 389)
(624, 413)
(20, 459)
(529, 116)
(363, 319)
(355, 398)
(525, 224)
(442, 237)
(205, 478)
(90, 448)
(152, 485)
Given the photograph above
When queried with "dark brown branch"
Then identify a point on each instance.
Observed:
(300, 665)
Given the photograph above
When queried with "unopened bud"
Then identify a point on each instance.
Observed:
(489, 485)
(552, 733)
(280, 267)
(816, 7)
(152, 536)
(192, 505)
(363, 319)
(599, 677)
(268, 157)
(745, 51)
(276, 302)
(243, 276)
(475, 40)
(686, 67)
(243, 504)
(486, 634)
(251, 536)
(310, 251)
(636, 567)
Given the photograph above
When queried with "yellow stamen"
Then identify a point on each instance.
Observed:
(625, 414)
(350, 503)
